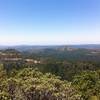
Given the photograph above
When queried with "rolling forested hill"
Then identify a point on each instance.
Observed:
(49, 73)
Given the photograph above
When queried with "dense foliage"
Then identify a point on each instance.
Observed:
(29, 84)
(88, 83)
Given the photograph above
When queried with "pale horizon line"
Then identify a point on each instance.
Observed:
(49, 44)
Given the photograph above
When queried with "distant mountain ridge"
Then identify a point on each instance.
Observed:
(60, 53)
(40, 47)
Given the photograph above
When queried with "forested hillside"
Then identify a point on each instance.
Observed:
(50, 74)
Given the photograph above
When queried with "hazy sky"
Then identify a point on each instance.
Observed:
(46, 22)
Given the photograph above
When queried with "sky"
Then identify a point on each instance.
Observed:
(49, 22)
